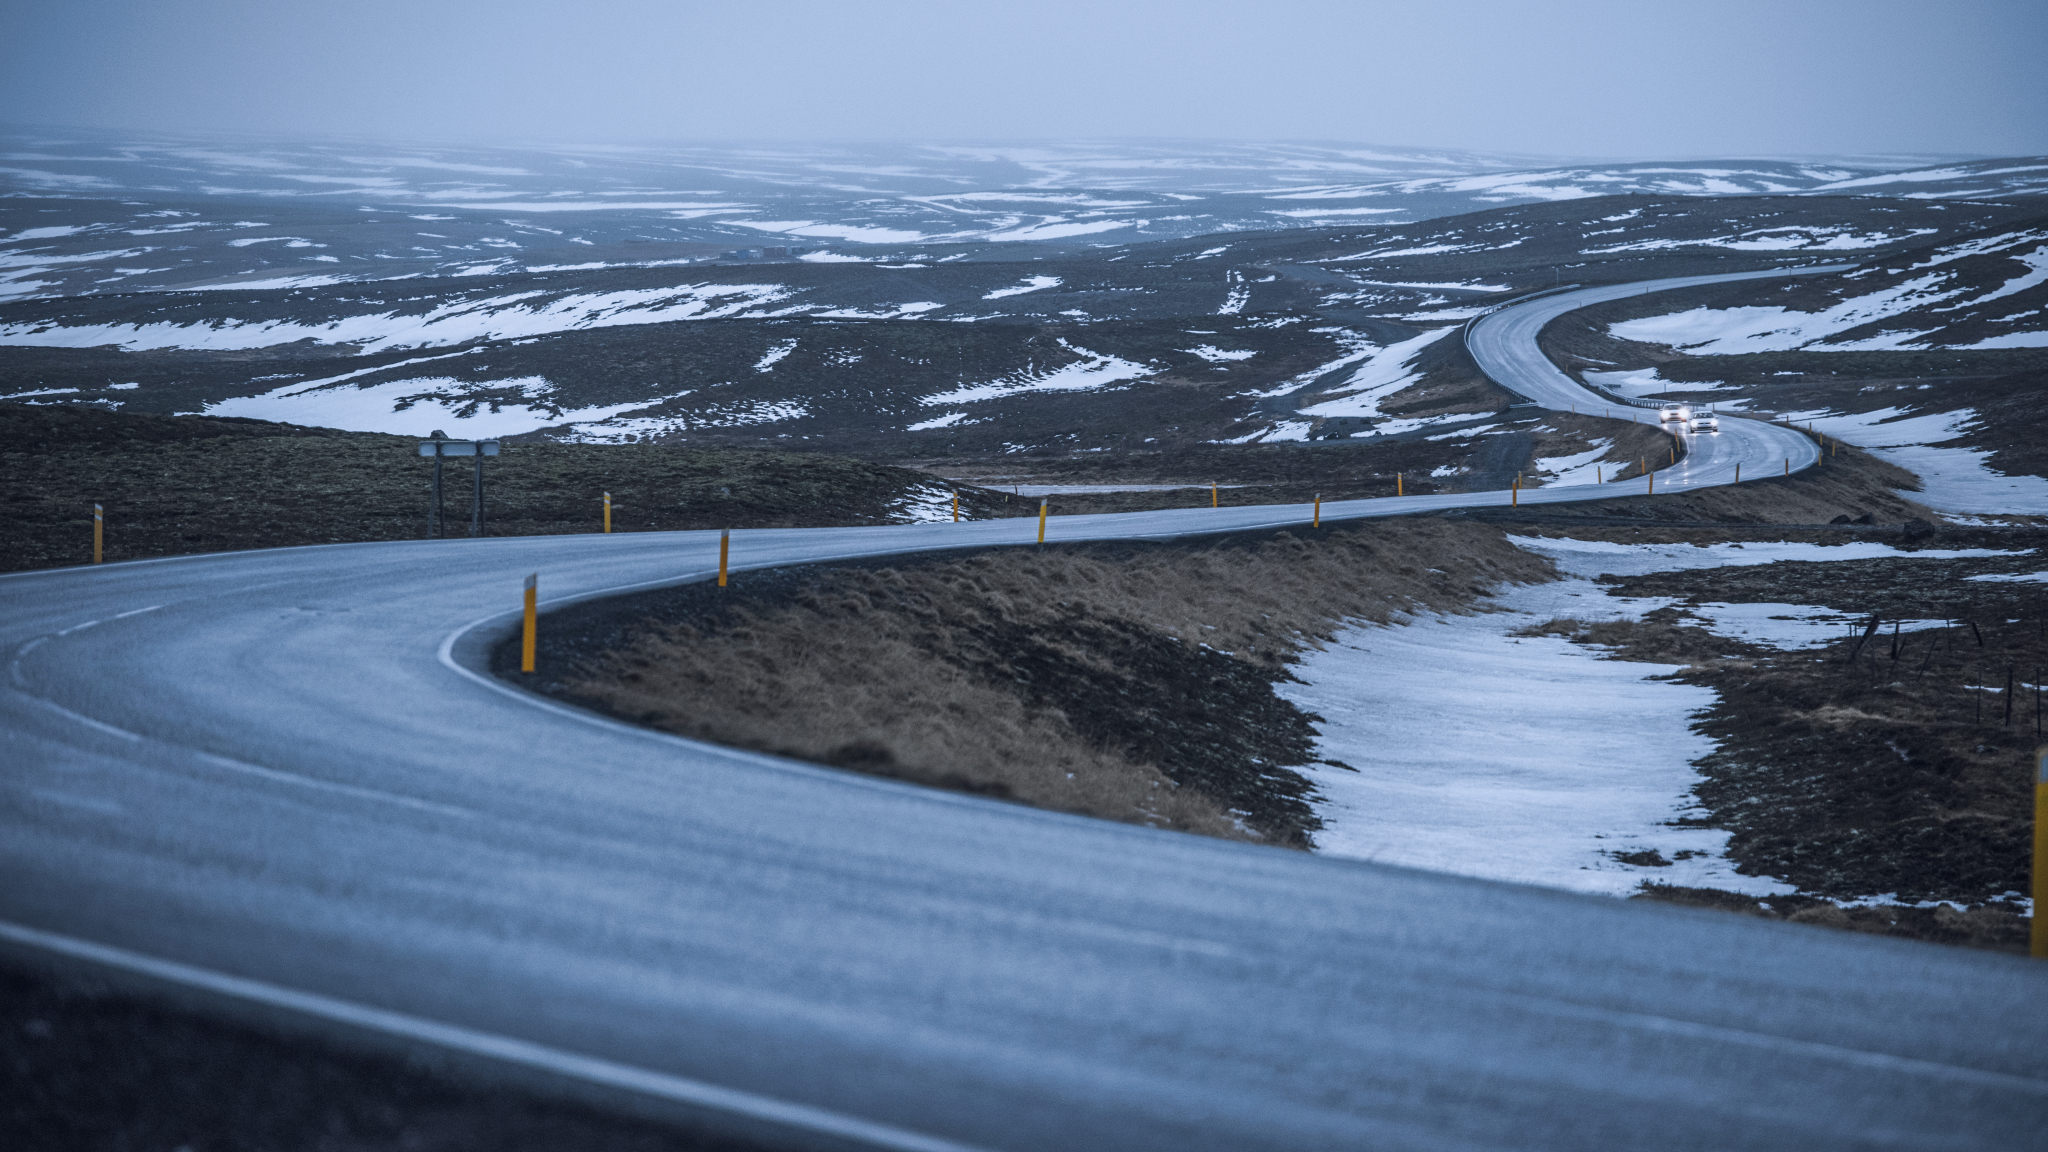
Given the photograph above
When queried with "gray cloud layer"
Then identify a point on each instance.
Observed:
(1580, 77)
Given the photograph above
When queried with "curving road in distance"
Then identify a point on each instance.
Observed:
(279, 779)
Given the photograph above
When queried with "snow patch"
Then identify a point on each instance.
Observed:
(1031, 284)
(1094, 370)
(1382, 374)
(417, 406)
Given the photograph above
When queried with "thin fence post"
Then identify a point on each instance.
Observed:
(2038, 944)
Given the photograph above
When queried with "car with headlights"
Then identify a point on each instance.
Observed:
(1706, 423)
(1674, 413)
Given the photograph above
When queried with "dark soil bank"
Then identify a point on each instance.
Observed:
(1128, 681)
(1892, 762)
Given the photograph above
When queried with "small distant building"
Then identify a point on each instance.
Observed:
(776, 250)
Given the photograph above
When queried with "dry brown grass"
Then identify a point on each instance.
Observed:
(1132, 682)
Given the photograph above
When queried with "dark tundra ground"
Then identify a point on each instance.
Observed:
(758, 394)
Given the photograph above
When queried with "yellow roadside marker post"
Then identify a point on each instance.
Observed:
(724, 550)
(526, 642)
(1319, 511)
(1652, 478)
(99, 524)
(1212, 494)
(2038, 944)
(956, 505)
(607, 511)
(1515, 493)
(1399, 490)
(1042, 506)
(1597, 475)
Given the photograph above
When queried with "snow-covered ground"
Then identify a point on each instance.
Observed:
(1095, 370)
(1951, 479)
(1878, 308)
(418, 406)
(1382, 374)
(1532, 758)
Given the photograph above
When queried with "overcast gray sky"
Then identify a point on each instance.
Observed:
(1642, 78)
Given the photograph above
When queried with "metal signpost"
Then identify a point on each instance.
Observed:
(439, 448)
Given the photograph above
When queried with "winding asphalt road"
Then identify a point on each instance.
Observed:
(280, 778)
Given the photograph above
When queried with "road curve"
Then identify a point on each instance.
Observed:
(279, 776)
(1504, 345)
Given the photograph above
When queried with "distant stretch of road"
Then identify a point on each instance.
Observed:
(281, 778)
(1504, 344)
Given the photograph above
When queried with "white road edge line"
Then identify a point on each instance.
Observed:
(492, 1046)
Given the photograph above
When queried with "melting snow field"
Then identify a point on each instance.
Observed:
(419, 406)
(1095, 370)
(1384, 373)
(1527, 759)
(494, 318)
(1534, 759)
(1951, 479)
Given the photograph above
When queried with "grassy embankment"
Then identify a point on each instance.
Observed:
(1077, 679)
(1128, 681)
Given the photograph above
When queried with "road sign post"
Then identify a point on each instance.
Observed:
(530, 633)
(440, 448)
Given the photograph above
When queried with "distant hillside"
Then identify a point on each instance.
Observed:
(1985, 291)
(1170, 343)
(94, 212)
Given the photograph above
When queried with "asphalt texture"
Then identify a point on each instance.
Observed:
(285, 778)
